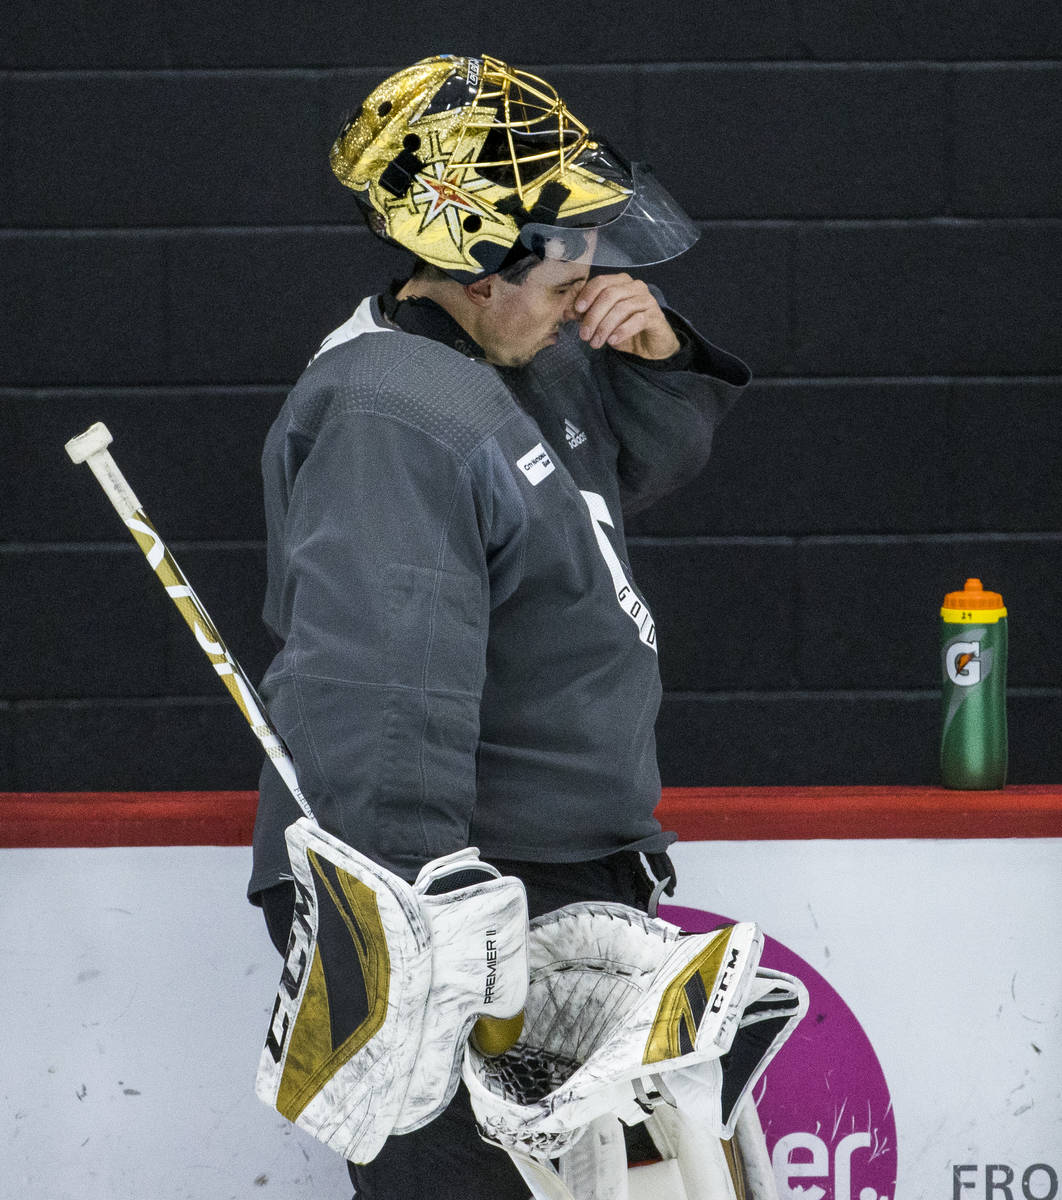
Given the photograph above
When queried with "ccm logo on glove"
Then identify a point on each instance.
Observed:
(725, 981)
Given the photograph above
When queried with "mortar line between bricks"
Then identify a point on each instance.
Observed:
(940, 221)
(712, 541)
(680, 541)
(855, 380)
(89, 702)
(929, 539)
(44, 390)
(225, 702)
(833, 64)
(67, 391)
(60, 391)
(650, 541)
(722, 695)
(127, 547)
(313, 71)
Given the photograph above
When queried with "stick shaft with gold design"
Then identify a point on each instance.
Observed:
(91, 447)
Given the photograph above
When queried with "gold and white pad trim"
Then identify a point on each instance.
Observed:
(350, 1055)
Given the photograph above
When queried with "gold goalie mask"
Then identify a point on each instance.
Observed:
(473, 165)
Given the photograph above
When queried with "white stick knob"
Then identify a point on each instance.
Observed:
(91, 447)
(96, 438)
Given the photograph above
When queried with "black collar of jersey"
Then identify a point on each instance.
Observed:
(425, 318)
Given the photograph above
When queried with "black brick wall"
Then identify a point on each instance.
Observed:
(878, 189)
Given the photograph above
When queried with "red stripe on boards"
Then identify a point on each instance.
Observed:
(697, 814)
(126, 818)
(802, 813)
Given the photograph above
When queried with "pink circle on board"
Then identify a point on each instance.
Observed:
(823, 1102)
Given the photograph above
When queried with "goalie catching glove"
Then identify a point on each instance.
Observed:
(381, 986)
(625, 1013)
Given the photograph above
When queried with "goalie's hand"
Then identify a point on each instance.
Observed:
(622, 312)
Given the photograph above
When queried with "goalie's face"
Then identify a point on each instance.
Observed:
(517, 320)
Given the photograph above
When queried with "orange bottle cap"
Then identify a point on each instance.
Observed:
(973, 596)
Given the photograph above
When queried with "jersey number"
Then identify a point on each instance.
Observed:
(625, 594)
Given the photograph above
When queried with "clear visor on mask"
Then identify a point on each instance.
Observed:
(651, 229)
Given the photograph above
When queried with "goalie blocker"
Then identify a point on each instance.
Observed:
(381, 986)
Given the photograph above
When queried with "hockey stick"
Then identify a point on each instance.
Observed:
(91, 447)
(341, 956)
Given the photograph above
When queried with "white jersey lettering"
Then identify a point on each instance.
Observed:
(625, 594)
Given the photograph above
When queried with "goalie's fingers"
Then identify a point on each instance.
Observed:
(635, 324)
(623, 313)
(604, 301)
(626, 312)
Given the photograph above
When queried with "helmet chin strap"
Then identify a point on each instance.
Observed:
(398, 175)
(546, 208)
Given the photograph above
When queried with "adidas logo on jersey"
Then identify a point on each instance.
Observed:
(575, 436)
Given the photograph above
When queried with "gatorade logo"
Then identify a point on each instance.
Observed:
(963, 663)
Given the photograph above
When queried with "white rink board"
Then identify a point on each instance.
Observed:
(949, 953)
(139, 985)
(143, 984)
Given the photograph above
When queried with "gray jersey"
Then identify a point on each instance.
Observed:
(466, 658)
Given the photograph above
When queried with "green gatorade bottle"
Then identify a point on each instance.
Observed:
(973, 743)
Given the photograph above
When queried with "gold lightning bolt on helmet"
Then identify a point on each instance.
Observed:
(473, 165)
